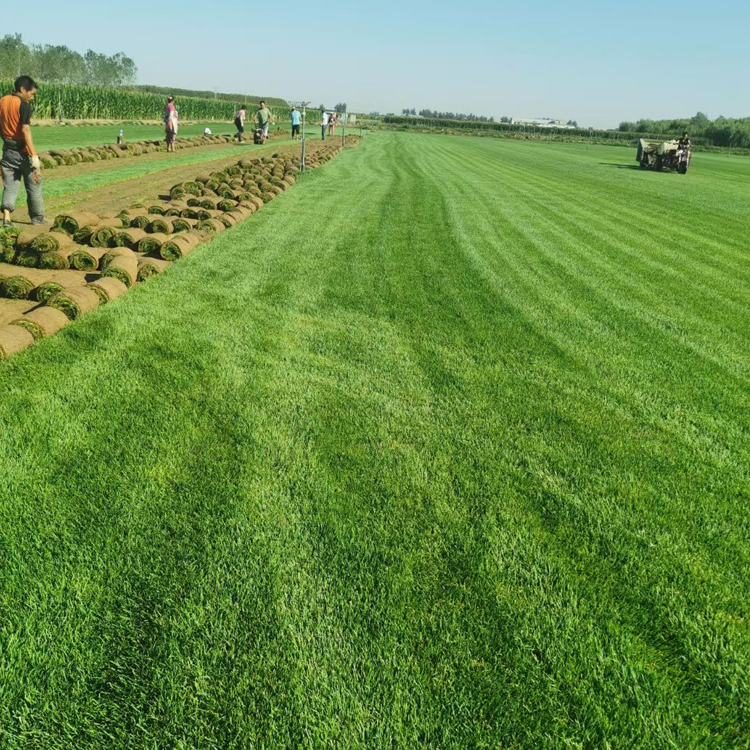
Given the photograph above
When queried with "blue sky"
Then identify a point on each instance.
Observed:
(597, 63)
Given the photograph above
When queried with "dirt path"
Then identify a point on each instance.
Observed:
(119, 194)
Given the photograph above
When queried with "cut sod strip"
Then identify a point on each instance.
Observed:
(75, 302)
(14, 339)
(44, 321)
(108, 288)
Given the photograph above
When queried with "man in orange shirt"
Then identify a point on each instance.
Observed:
(20, 160)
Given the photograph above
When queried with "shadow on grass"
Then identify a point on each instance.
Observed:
(620, 166)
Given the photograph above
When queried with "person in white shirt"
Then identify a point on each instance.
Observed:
(323, 124)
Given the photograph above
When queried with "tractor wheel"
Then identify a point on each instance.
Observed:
(682, 168)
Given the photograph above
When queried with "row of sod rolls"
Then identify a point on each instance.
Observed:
(86, 260)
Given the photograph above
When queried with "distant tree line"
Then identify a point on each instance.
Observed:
(446, 115)
(723, 131)
(58, 63)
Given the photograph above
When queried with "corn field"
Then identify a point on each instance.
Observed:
(73, 102)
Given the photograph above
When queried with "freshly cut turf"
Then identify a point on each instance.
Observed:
(14, 339)
(44, 321)
(75, 302)
(446, 447)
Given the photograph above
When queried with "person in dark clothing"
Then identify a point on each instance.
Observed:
(20, 160)
(684, 142)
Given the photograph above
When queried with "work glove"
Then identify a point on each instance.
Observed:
(35, 163)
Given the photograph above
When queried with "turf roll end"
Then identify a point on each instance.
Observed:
(75, 302)
(14, 339)
(44, 321)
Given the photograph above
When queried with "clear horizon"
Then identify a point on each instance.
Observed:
(598, 66)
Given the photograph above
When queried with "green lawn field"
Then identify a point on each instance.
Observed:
(446, 447)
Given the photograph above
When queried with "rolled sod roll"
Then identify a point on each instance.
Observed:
(156, 209)
(226, 205)
(27, 235)
(13, 339)
(116, 222)
(124, 268)
(160, 226)
(214, 226)
(128, 238)
(86, 258)
(75, 302)
(83, 235)
(50, 242)
(190, 213)
(152, 243)
(17, 287)
(116, 252)
(179, 245)
(102, 237)
(194, 202)
(108, 288)
(150, 267)
(57, 259)
(27, 258)
(183, 225)
(72, 222)
(141, 221)
(44, 292)
(228, 220)
(44, 321)
(8, 239)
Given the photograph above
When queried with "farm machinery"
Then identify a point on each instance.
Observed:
(654, 154)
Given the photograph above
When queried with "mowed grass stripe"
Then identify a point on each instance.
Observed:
(568, 242)
(353, 476)
(470, 219)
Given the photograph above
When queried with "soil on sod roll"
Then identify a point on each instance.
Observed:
(44, 321)
(57, 259)
(124, 268)
(75, 302)
(152, 243)
(179, 245)
(87, 258)
(11, 309)
(50, 242)
(151, 267)
(44, 292)
(129, 237)
(75, 220)
(108, 288)
(14, 339)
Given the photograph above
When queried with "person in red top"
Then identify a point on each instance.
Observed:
(20, 160)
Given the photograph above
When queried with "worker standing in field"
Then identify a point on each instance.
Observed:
(295, 117)
(263, 118)
(170, 124)
(323, 124)
(239, 122)
(20, 159)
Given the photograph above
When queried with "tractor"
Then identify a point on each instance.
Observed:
(654, 154)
